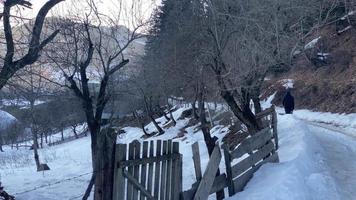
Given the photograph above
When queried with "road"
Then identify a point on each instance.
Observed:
(340, 156)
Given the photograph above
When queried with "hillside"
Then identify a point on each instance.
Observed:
(324, 73)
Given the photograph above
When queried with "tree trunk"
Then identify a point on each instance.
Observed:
(103, 158)
(245, 115)
(1, 143)
(172, 118)
(46, 137)
(140, 123)
(228, 95)
(195, 113)
(159, 129)
(75, 132)
(62, 135)
(257, 104)
(41, 143)
(209, 141)
(35, 148)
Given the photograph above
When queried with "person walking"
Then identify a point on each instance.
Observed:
(288, 102)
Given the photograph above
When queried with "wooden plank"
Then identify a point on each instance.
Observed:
(179, 175)
(196, 160)
(254, 142)
(175, 185)
(143, 168)
(220, 182)
(169, 170)
(207, 181)
(163, 172)
(240, 182)
(150, 169)
(230, 183)
(130, 171)
(136, 173)
(251, 160)
(119, 180)
(157, 169)
(274, 128)
(137, 185)
(265, 113)
(140, 161)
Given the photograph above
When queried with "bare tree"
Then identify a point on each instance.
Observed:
(93, 47)
(30, 85)
(12, 60)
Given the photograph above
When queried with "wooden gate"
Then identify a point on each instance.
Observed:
(151, 170)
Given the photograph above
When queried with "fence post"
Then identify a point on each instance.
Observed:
(176, 188)
(119, 181)
(230, 183)
(196, 160)
(274, 125)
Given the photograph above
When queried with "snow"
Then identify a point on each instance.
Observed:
(6, 119)
(268, 102)
(70, 160)
(345, 122)
(312, 43)
(19, 102)
(301, 173)
(348, 14)
(315, 163)
(345, 29)
(287, 83)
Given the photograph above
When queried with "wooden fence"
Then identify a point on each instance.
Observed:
(155, 172)
(208, 183)
(261, 148)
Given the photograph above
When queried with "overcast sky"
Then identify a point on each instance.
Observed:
(105, 6)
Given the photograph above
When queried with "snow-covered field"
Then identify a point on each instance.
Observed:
(310, 166)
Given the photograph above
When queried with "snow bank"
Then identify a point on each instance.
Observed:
(312, 43)
(299, 175)
(346, 121)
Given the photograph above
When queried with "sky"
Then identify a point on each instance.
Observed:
(108, 7)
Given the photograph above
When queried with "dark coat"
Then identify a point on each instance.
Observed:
(288, 103)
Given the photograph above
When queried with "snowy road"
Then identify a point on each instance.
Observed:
(340, 156)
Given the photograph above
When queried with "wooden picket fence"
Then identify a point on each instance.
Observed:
(155, 172)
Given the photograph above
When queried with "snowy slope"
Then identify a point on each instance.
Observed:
(70, 163)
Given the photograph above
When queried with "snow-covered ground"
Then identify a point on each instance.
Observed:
(315, 163)
(301, 173)
(18, 102)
